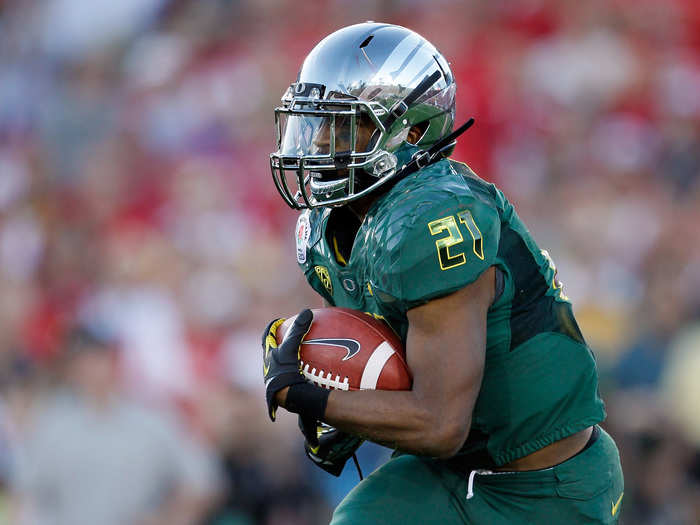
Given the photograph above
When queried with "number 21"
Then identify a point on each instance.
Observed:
(454, 237)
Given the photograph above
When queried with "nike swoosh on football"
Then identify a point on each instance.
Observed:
(351, 346)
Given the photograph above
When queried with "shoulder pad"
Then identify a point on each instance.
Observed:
(433, 236)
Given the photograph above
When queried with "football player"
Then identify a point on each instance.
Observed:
(501, 423)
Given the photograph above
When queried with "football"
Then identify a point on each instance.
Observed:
(350, 350)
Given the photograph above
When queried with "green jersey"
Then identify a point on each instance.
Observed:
(433, 233)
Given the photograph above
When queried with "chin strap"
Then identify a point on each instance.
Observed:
(436, 152)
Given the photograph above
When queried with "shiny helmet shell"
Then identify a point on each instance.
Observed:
(357, 95)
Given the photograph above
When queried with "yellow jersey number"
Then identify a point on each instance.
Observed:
(454, 237)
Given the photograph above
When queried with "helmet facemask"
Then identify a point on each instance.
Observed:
(330, 148)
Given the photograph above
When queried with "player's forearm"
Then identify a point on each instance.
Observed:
(399, 419)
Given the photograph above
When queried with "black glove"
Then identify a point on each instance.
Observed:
(281, 364)
(334, 447)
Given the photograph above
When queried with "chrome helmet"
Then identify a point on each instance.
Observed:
(358, 94)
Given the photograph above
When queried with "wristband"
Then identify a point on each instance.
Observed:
(307, 400)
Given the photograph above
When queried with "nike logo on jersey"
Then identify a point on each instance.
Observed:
(351, 346)
(616, 505)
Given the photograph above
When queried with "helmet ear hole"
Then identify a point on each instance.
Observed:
(417, 132)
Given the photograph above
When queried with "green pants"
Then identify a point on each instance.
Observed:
(413, 490)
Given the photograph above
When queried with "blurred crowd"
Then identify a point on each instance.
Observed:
(143, 247)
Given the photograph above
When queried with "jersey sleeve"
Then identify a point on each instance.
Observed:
(445, 245)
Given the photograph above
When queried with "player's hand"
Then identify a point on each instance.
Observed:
(281, 364)
(333, 447)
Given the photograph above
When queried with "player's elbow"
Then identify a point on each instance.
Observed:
(448, 438)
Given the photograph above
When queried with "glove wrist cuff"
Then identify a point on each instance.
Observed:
(307, 400)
